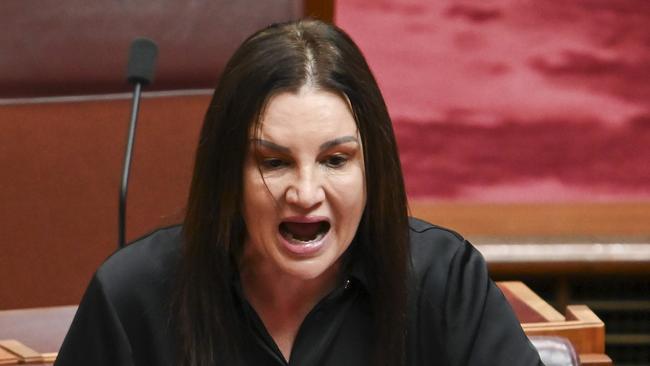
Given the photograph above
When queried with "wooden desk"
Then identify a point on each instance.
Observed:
(43, 329)
(40, 329)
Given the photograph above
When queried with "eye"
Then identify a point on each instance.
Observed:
(272, 163)
(336, 161)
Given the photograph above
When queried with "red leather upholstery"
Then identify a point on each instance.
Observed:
(555, 351)
(74, 47)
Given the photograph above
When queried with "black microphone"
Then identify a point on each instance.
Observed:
(140, 72)
(142, 61)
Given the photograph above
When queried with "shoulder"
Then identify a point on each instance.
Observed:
(455, 308)
(438, 255)
(147, 264)
(123, 318)
(430, 244)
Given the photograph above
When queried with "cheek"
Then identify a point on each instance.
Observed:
(255, 196)
(351, 195)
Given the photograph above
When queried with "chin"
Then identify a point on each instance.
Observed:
(309, 269)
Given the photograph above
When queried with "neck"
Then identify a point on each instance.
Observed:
(283, 301)
(267, 287)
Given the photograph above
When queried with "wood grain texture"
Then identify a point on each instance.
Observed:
(7, 358)
(580, 325)
(586, 332)
(24, 353)
(532, 300)
(538, 219)
(63, 158)
(595, 359)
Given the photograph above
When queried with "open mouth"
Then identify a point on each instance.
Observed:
(304, 232)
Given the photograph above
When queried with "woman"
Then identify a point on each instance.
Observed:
(296, 247)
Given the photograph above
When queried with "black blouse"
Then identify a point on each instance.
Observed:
(456, 316)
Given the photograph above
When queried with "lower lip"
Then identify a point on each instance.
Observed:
(306, 249)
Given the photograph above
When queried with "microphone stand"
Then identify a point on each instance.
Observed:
(127, 164)
(140, 71)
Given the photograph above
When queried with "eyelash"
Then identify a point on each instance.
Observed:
(336, 161)
(272, 163)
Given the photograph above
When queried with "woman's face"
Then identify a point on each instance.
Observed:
(304, 190)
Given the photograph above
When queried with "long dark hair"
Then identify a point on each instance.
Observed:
(283, 58)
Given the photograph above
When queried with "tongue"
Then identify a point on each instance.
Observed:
(303, 230)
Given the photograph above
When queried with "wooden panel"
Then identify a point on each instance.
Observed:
(62, 160)
(320, 9)
(538, 220)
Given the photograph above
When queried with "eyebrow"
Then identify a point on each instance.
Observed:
(324, 146)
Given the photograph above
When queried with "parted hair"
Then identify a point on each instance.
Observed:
(283, 58)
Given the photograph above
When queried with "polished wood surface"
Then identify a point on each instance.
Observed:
(568, 219)
(35, 335)
(7, 358)
(25, 354)
(594, 359)
(560, 238)
(580, 325)
(586, 331)
(528, 306)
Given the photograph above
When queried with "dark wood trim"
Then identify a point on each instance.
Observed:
(320, 9)
(573, 269)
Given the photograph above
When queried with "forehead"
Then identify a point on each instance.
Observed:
(307, 112)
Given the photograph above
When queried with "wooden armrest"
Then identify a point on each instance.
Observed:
(586, 331)
(595, 359)
(7, 358)
(23, 353)
(580, 325)
(33, 335)
(528, 306)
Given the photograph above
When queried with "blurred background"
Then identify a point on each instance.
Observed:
(524, 125)
(528, 123)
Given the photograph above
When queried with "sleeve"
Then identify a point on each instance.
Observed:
(96, 336)
(480, 326)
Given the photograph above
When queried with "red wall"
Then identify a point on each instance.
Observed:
(514, 101)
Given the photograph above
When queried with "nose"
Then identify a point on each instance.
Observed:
(306, 191)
